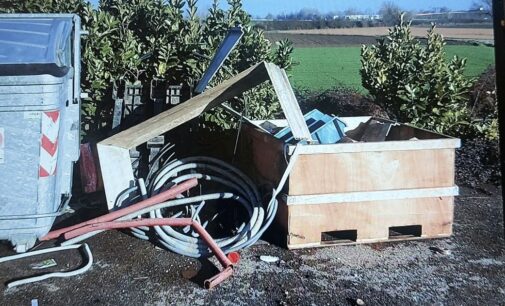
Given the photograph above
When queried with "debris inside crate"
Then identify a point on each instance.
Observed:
(326, 129)
(323, 128)
(347, 139)
(360, 189)
(376, 131)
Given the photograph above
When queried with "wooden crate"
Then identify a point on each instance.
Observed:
(401, 188)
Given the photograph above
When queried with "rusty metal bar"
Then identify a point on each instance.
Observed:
(175, 222)
(162, 197)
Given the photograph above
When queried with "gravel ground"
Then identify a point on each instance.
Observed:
(466, 269)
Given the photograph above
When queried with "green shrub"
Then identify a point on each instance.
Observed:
(43, 6)
(415, 83)
(142, 40)
(260, 103)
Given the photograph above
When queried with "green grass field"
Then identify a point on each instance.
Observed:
(327, 67)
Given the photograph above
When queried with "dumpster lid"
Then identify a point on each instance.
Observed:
(34, 44)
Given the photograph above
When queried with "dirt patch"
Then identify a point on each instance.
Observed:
(481, 34)
(128, 271)
(482, 100)
(478, 164)
(322, 40)
(340, 102)
(317, 40)
(478, 161)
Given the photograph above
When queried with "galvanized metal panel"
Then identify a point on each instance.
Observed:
(324, 129)
(30, 201)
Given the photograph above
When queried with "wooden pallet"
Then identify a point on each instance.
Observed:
(316, 225)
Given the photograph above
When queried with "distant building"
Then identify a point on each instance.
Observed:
(479, 15)
(359, 17)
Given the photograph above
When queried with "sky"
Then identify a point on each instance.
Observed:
(276, 7)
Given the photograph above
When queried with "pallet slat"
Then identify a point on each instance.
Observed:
(372, 171)
(381, 195)
(371, 220)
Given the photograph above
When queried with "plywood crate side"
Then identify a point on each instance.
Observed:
(371, 171)
(404, 184)
(371, 220)
(261, 156)
(278, 231)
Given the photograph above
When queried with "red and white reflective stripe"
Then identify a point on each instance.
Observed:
(49, 143)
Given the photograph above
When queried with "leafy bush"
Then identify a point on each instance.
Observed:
(43, 6)
(415, 83)
(133, 41)
(260, 103)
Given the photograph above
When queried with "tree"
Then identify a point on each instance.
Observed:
(390, 13)
(352, 11)
(415, 83)
(486, 5)
(43, 6)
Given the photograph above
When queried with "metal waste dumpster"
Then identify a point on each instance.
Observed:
(39, 121)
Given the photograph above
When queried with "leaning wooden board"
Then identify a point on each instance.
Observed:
(400, 188)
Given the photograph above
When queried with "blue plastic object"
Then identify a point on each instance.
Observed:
(323, 128)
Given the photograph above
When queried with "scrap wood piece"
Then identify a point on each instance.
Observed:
(188, 110)
(211, 98)
(376, 131)
(91, 180)
(288, 102)
(117, 174)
